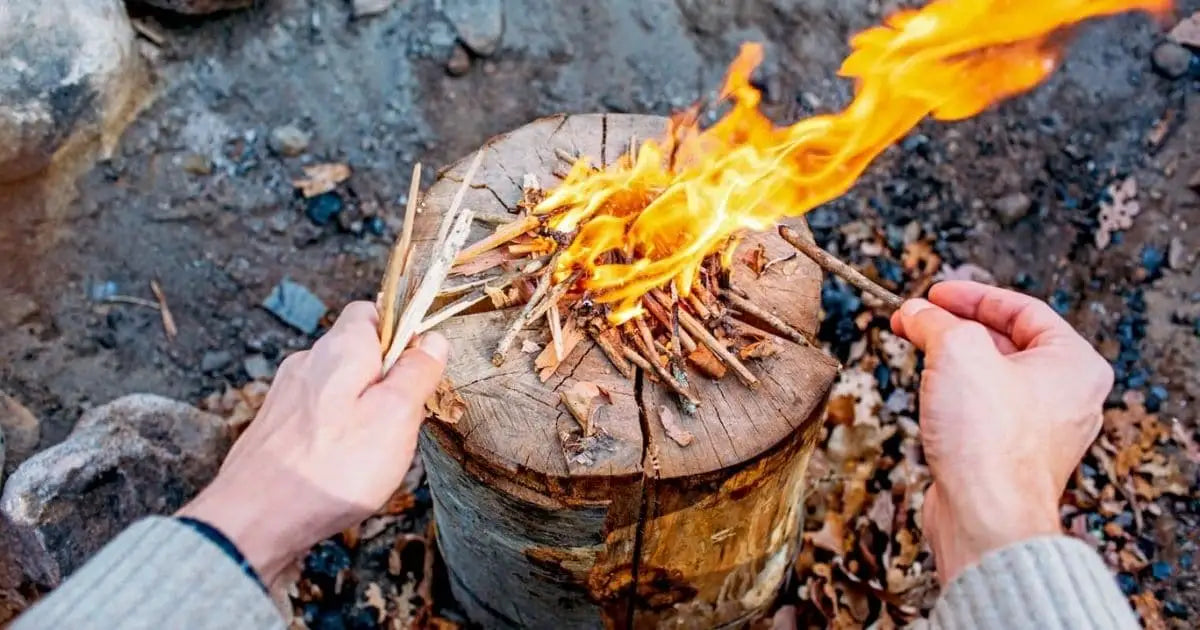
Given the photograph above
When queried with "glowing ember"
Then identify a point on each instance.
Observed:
(652, 219)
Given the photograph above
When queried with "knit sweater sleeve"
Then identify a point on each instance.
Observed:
(1054, 582)
(159, 573)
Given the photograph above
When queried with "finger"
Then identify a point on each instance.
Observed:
(1026, 320)
(1003, 344)
(350, 352)
(923, 323)
(410, 382)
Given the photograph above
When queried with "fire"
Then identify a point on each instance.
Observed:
(655, 216)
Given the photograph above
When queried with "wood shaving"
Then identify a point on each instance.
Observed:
(445, 404)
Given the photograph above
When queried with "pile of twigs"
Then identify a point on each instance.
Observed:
(708, 330)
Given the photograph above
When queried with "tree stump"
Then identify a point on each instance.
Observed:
(541, 528)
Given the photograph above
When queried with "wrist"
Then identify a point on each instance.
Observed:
(962, 531)
(263, 548)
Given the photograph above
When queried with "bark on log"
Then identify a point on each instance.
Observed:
(544, 528)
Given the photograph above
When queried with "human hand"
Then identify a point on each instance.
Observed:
(329, 446)
(1011, 399)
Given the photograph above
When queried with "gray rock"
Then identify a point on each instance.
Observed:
(199, 7)
(480, 23)
(67, 70)
(365, 8)
(1171, 60)
(135, 456)
(258, 367)
(21, 430)
(1012, 207)
(215, 360)
(296, 306)
(289, 141)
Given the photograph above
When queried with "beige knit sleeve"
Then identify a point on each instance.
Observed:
(1054, 582)
(157, 575)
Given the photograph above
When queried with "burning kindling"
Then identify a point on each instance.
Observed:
(636, 254)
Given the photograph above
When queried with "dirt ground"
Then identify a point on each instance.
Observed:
(375, 93)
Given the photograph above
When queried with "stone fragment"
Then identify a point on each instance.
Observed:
(199, 7)
(459, 62)
(480, 23)
(67, 70)
(215, 360)
(26, 570)
(1171, 59)
(365, 8)
(1012, 207)
(289, 140)
(296, 306)
(258, 367)
(21, 429)
(136, 456)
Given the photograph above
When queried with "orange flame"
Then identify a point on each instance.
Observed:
(653, 218)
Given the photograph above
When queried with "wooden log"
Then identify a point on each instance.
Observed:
(543, 527)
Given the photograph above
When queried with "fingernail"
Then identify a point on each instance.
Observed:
(914, 306)
(434, 345)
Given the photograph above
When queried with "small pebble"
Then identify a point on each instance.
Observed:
(375, 225)
(1160, 570)
(289, 141)
(1128, 585)
(296, 306)
(215, 360)
(1012, 208)
(1153, 258)
(197, 164)
(323, 208)
(1060, 301)
(1171, 60)
(459, 62)
(257, 367)
(1175, 609)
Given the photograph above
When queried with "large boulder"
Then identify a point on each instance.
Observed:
(199, 7)
(67, 69)
(136, 456)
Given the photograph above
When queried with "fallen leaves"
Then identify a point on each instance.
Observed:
(321, 178)
(1117, 210)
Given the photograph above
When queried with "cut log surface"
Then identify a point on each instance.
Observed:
(544, 527)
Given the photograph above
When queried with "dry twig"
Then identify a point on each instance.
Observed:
(168, 320)
(502, 235)
(524, 317)
(830, 263)
(750, 308)
(388, 302)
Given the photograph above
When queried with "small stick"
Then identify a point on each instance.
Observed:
(416, 308)
(615, 355)
(501, 281)
(450, 310)
(502, 235)
(389, 298)
(136, 301)
(566, 156)
(750, 308)
(830, 263)
(698, 305)
(696, 328)
(556, 334)
(451, 214)
(495, 219)
(168, 320)
(524, 318)
(649, 366)
(656, 311)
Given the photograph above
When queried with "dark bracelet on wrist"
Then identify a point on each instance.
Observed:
(215, 536)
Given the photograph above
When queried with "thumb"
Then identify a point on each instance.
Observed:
(937, 332)
(411, 381)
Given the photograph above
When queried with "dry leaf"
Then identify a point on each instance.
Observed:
(1150, 610)
(670, 423)
(756, 259)
(831, 535)
(1118, 211)
(321, 178)
(529, 347)
(499, 298)
(1187, 31)
(707, 362)
(758, 350)
(445, 404)
(581, 400)
(374, 598)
